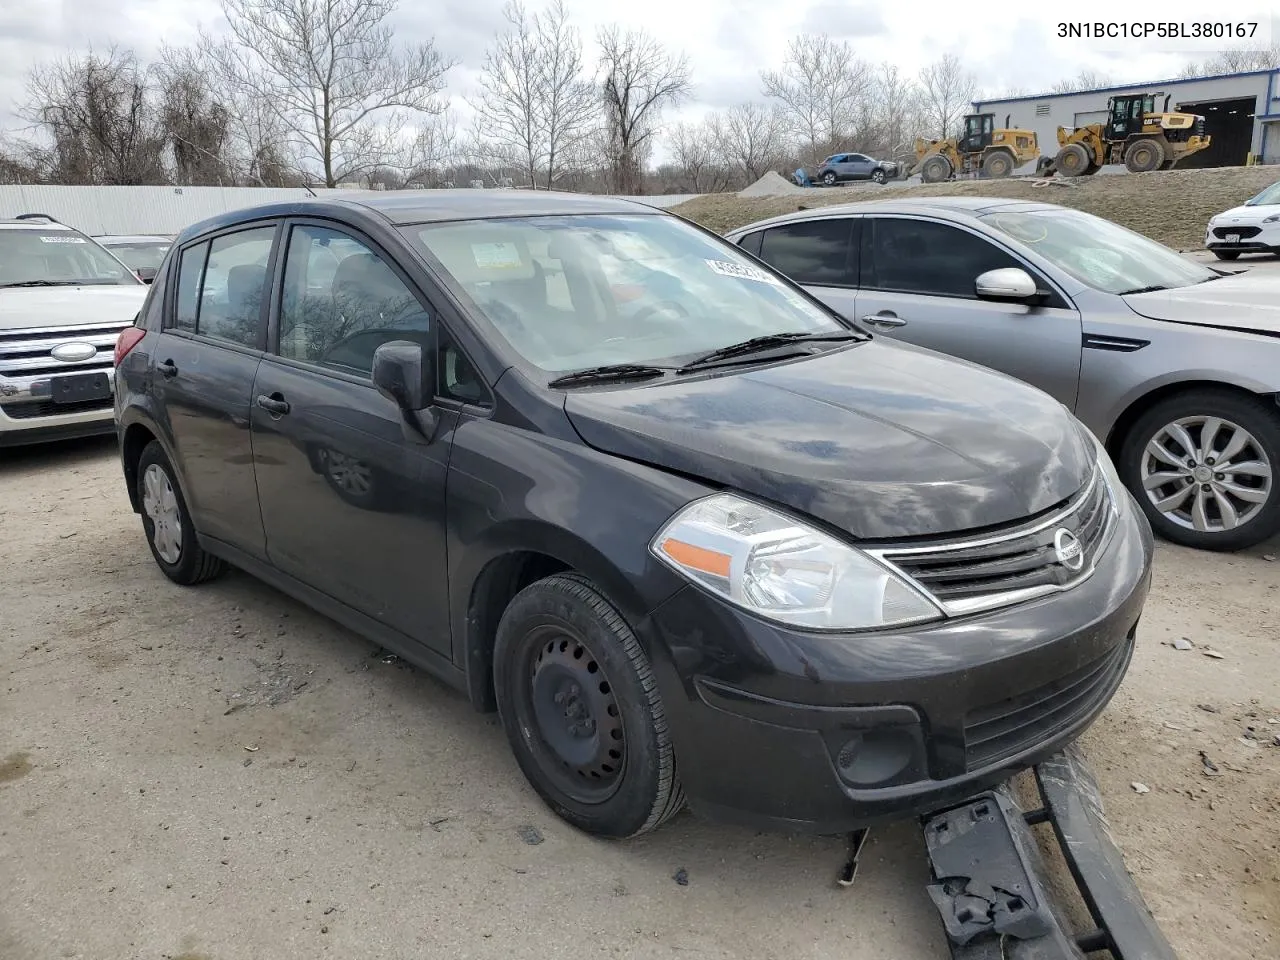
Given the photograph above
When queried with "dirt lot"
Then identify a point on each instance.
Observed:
(1171, 206)
(218, 773)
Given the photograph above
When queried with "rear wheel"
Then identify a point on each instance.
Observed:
(167, 522)
(936, 169)
(997, 164)
(1073, 160)
(580, 706)
(1202, 467)
(1227, 254)
(1144, 155)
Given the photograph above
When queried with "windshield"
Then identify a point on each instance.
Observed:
(1098, 252)
(1268, 196)
(56, 257)
(570, 293)
(141, 254)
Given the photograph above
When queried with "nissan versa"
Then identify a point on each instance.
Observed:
(691, 534)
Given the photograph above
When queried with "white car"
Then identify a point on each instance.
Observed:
(63, 302)
(1252, 228)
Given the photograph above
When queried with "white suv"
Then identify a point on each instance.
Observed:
(63, 301)
(1252, 228)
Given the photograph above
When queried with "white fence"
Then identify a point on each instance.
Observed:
(163, 210)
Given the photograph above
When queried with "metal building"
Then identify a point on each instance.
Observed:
(1241, 111)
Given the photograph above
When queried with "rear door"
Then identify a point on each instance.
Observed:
(821, 254)
(205, 361)
(917, 284)
(352, 499)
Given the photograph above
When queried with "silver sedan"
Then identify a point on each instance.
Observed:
(1175, 365)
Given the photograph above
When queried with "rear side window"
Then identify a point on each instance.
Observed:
(751, 242)
(920, 256)
(815, 252)
(190, 275)
(341, 301)
(222, 284)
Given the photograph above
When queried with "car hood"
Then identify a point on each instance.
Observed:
(1246, 214)
(879, 440)
(24, 307)
(1247, 301)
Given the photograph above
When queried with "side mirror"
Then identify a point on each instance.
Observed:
(1007, 283)
(403, 373)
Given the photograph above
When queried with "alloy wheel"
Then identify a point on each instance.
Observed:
(1206, 474)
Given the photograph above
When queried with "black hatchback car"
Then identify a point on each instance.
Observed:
(688, 531)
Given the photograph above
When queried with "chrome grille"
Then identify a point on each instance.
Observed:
(1021, 563)
(29, 353)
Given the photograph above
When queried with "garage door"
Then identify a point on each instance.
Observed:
(1092, 116)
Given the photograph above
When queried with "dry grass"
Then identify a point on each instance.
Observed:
(1171, 206)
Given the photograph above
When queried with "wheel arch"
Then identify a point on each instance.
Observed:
(1157, 393)
(136, 430)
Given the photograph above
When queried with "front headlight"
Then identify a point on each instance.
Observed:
(1274, 218)
(1107, 469)
(783, 569)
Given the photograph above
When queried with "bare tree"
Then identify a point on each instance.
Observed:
(332, 74)
(750, 137)
(640, 79)
(947, 90)
(819, 88)
(194, 118)
(97, 119)
(897, 114)
(1084, 80)
(1235, 60)
(535, 99)
(696, 160)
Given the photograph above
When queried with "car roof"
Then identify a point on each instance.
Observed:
(954, 208)
(36, 224)
(109, 238)
(404, 207)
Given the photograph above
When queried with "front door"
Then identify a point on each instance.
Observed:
(917, 284)
(352, 499)
(204, 366)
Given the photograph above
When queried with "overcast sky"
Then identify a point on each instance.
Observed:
(728, 41)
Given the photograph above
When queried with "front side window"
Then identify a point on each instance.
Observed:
(922, 256)
(57, 258)
(341, 301)
(814, 252)
(1098, 252)
(571, 292)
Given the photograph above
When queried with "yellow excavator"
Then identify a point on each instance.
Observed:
(996, 152)
(1135, 134)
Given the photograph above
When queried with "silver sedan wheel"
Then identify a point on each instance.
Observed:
(161, 506)
(1206, 474)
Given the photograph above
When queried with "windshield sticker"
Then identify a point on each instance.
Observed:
(742, 271)
(628, 246)
(496, 256)
(62, 240)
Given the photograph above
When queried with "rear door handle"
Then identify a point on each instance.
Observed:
(885, 320)
(275, 405)
(168, 369)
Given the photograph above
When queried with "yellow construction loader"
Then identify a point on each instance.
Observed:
(983, 147)
(1135, 134)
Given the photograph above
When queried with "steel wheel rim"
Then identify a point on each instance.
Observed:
(1206, 474)
(571, 716)
(161, 507)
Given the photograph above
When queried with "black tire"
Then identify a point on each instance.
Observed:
(1227, 254)
(830, 178)
(192, 564)
(565, 656)
(936, 169)
(879, 176)
(1073, 160)
(997, 165)
(1144, 155)
(1257, 417)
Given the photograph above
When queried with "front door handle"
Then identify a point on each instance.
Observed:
(168, 369)
(885, 320)
(275, 404)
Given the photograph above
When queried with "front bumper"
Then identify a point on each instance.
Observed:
(826, 733)
(28, 415)
(1253, 237)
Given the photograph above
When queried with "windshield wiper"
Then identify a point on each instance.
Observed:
(44, 283)
(1151, 289)
(767, 342)
(609, 373)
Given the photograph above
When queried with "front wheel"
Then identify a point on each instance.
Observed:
(1201, 465)
(580, 707)
(878, 176)
(829, 178)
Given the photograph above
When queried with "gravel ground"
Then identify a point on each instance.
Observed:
(218, 773)
(1170, 206)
